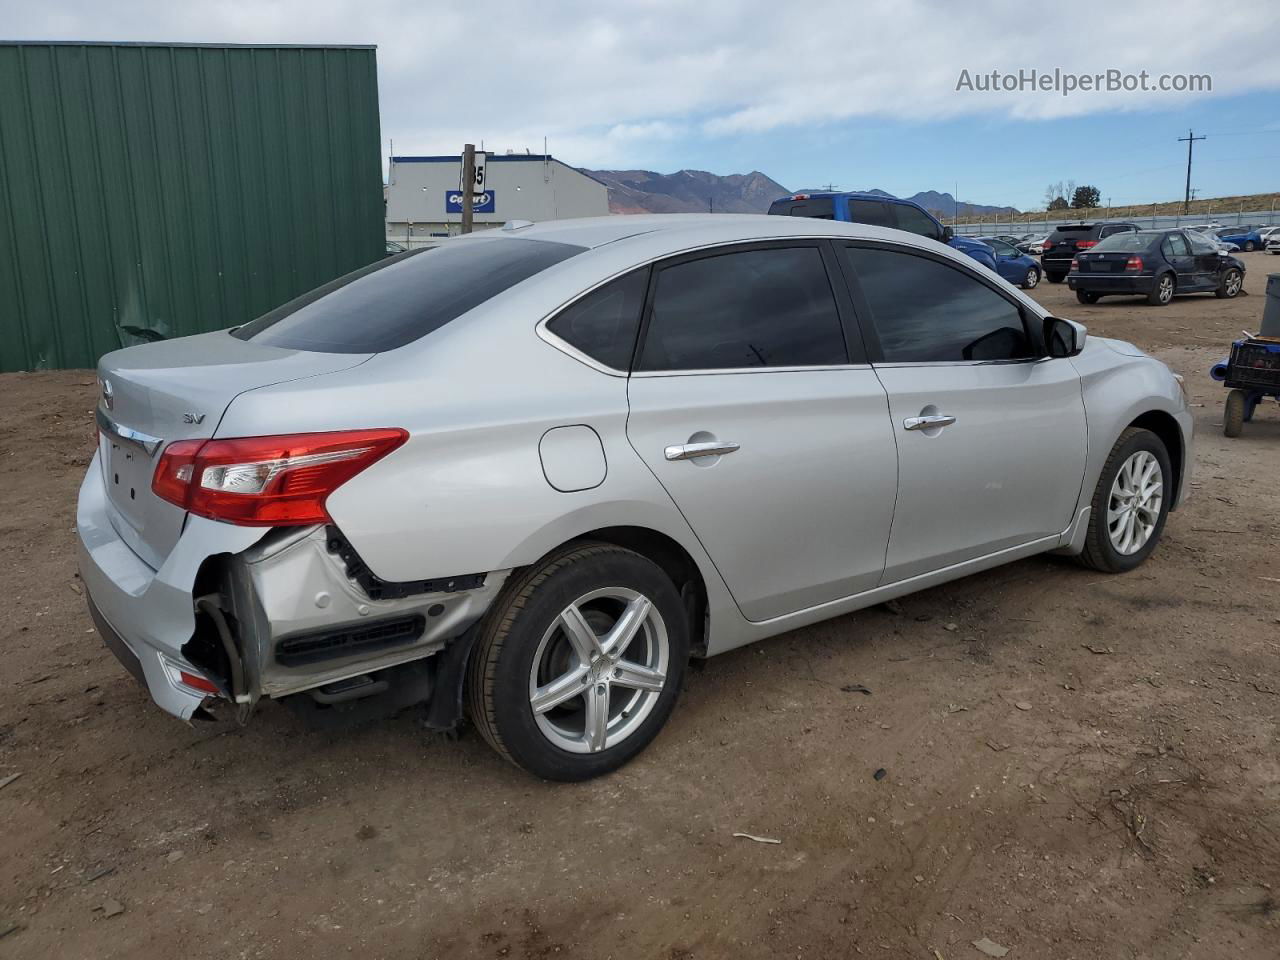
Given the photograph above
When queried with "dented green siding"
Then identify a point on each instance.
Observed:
(164, 190)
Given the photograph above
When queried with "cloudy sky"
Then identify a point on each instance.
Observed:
(855, 94)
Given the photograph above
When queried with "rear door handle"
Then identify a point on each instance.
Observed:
(924, 423)
(708, 448)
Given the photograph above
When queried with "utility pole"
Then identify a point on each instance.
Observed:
(1191, 139)
(468, 178)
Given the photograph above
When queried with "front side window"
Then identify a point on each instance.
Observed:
(752, 308)
(916, 221)
(1201, 245)
(401, 299)
(925, 311)
(604, 323)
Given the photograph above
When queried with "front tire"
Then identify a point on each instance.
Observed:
(579, 663)
(1249, 246)
(1032, 279)
(1086, 296)
(1233, 415)
(1161, 291)
(1229, 286)
(1130, 503)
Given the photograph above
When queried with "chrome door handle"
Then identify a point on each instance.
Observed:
(708, 448)
(924, 423)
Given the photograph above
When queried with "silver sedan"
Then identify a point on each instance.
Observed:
(526, 475)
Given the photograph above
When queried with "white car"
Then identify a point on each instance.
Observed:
(1270, 239)
(535, 470)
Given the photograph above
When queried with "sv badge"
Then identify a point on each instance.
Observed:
(192, 418)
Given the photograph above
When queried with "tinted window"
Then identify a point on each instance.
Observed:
(1126, 241)
(916, 221)
(399, 299)
(925, 311)
(603, 324)
(753, 308)
(816, 208)
(871, 211)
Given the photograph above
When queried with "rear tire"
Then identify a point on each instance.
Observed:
(1233, 415)
(1134, 506)
(1086, 296)
(1055, 277)
(1162, 290)
(528, 650)
(1230, 285)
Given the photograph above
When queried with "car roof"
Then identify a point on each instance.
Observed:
(683, 230)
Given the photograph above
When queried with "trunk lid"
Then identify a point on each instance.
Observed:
(1104, 262)
(156, 393)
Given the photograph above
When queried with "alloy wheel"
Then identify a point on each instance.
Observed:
(1234, 281)
(1133, 509)
(1033, 278)
(599, 670)
(1166, 288)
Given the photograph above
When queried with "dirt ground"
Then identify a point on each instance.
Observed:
(1085, 766)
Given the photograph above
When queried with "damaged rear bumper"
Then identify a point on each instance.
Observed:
(299, 618)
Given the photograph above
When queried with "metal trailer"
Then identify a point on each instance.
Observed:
(157, 190)
(1252, 371)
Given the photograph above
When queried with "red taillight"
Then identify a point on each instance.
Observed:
(1133, 263)
(1047, 245)
(196, 682)
(268, 481)
(1086, 244)
(1075, 264)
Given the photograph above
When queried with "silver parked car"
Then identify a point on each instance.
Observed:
(528, 474)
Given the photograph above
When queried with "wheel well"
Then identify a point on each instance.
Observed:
(676, 562)
(1166, 428)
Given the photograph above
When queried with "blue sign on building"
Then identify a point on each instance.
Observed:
(480, 202)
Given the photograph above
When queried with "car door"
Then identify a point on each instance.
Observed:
(765, 424)
(991, 437)
(1207, 260)
(1175, 249)
(1007, 257)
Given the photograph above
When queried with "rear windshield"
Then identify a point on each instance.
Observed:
(1128, 240)
(1074, 230)
(400, 299)
(817, 208)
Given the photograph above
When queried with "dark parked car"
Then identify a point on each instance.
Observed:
(393, 248)
(1012, 264)
(1068, 239)
(1156, 264)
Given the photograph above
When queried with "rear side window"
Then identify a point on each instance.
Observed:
(816, 208)
(400, 299)
(916, 221)
(873, 212)
(752, 308)
(1175, 245)
(604, 323)
(925, 311)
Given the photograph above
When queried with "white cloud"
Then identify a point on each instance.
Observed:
(610, 83)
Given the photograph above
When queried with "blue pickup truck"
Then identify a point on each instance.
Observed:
(880, 212)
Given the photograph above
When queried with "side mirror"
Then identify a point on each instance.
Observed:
(1063, 338)
(947, 234)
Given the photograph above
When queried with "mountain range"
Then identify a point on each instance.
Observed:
(697, 191)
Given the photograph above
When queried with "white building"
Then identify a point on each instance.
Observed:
(423, 200)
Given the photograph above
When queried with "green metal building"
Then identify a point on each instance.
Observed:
(160, 190)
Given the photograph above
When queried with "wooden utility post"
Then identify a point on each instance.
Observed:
(468, 178)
